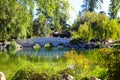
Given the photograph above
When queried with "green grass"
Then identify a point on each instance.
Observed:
(9, 63)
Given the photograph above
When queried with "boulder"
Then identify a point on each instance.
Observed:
(2, 76)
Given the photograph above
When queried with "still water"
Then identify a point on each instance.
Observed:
(43, 52)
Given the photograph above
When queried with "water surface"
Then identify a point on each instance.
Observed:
(43, 52)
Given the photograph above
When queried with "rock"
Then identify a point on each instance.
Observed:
(19, 47)
(2, 76)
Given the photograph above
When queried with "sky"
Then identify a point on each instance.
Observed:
(76, 4)
(74, 12)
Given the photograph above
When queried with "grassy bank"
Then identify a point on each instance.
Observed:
(9, 64)
(80, 65)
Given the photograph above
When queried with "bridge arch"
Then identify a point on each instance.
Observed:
(55, 41)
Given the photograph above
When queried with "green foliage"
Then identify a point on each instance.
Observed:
(51, 15)
(85, 78)
(15, 20)
(34, 57)
(116, 71)
(114, 7)
(48, 46)
(85, 32)
(33, 73)
(29, 73)
(102, 63)
(10, 65)
(113, 29)
(90, 5)
(12, 47)
(74, 34)
(107, 61)
(36, 47)
(115, 64)
(80, 63)
(97, 26)
(77, 41)
(100, 72)
(92, 62)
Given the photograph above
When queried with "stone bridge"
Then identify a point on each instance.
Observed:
(55, 41)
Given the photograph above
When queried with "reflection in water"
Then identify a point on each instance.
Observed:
(42, 52)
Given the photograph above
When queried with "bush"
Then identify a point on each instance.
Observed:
(29, 74)
(36, 47)
(77, 41)
(12, 47)
(100, 72)
(48, 46)
(33, 72)
(85, 78)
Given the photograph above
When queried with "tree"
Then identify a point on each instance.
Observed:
(113, 29)
(54, 13)
(41, 27)
(85, 32)
(15, 20)
(97, 26)
(90, 5)
(114, 7)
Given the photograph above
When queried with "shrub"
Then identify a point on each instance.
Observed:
(29, 73)
(36, 47)
(85, 78)
(12, 47)
(48, 46)
(77, 40)
(100, 72)
(33, 72)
